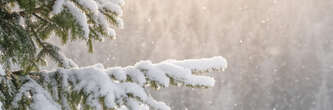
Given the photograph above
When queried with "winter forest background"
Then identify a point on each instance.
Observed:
(280, 52)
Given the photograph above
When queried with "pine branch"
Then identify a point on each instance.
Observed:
(53, 51)
(47, 21)
(96, 87)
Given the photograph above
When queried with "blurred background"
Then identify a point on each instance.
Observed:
(280, 52)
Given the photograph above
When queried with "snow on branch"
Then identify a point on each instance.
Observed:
(42, 100)
(98, 88)
(2, 71)
(103, 13)
(202, 65)
(80, 17)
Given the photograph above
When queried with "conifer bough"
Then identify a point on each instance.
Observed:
(25, 25)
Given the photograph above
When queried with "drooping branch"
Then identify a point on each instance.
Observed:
(100, 88)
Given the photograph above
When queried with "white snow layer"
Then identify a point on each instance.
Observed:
(2, 72)
(202, 65)
(80, 17)
(41, 99)
(0, 106)
(58, 6)
(96, 8)
(119, 86)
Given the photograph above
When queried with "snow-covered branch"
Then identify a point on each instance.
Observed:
(98, 88)
(101, 12)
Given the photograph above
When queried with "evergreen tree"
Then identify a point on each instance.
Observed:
(25, 27)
